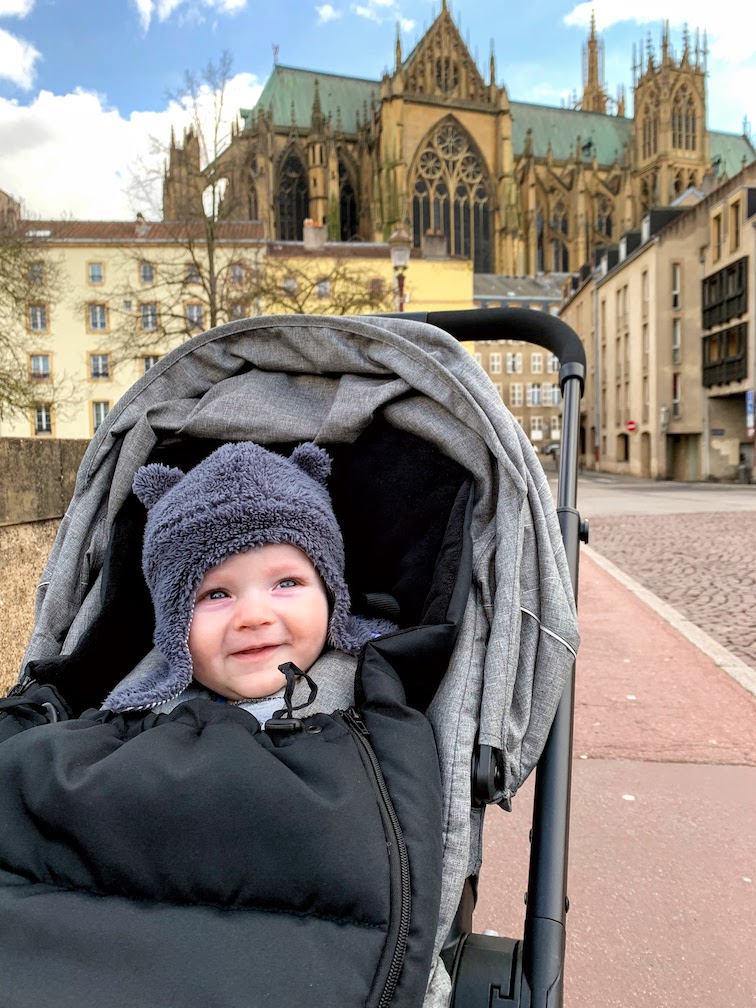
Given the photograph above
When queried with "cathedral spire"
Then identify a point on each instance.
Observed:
(317, 110)
(398, 56)
(594, 95)
(492, 67)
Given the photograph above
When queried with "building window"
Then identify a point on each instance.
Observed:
(96, 272)
(147, 273)
(735, 227)
(290, 285)
(645, 415)
(556, 395)
(536, 363)
(194, 315)
(644, 293)
(494, 363)
(515, 394)
(532, 394)
(478, 358)
(546, 393)
(236, 273)
(553, 366)
(238, 311)
(452, 195)
(148, 360)
(716, 237)
(684, 136)
(36, 273)
(536, 428)
(98, 317)
(514, 363)
(497, 387)
(99, 365)
(39, 367)
(293, 199)
(676, 395)
(675, 285)
(99, 411)
(43, 418)
(676, 327)
(38, 317)
(556, 429)
(323, 288)
(192, 273)
(149, 317)
(377, 289)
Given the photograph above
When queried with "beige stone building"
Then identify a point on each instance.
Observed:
(133, 290)
(518, 188)
(668, 369)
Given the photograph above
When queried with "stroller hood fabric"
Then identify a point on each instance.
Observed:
(292, 379)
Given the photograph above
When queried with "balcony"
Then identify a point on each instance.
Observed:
(725, 356)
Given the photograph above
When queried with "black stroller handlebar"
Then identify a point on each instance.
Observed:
(537, 327)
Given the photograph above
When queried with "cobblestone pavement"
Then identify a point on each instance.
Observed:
(702, 564)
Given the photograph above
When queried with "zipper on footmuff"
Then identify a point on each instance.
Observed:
(360, 733)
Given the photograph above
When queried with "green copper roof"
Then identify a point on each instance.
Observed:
(288, 84)
(559, 126)
(731, 148)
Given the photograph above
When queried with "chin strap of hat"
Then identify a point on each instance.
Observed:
(292, 672)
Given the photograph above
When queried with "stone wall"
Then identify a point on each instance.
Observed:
(36, 483)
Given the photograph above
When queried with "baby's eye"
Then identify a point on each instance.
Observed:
(214, 593)
(287, 583)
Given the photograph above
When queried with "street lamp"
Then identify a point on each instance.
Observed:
(400, 244)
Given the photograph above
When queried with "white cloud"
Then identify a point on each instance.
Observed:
(163, 9)
(53, 130)
(17, 59)
(327, 13)
(380, 11)
(15, 8)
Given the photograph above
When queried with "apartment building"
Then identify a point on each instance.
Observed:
(526, 377)
(665, 320)
(132, 290)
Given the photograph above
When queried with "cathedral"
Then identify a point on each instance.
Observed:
(438, 149)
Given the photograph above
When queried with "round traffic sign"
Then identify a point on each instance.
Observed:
(632, 426)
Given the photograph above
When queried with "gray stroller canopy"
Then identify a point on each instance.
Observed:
(281, 380)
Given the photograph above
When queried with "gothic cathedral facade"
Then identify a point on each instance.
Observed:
(436, 148)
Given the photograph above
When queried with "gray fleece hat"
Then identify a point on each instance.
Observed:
(239, 497)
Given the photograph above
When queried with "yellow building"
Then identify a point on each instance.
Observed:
(668, 374)
(518, 188)
(134, 290)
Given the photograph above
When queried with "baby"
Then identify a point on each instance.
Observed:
(244, 560)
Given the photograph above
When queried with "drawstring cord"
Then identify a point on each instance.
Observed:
(291, 672)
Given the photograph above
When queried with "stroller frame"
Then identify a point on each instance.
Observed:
(489, 970)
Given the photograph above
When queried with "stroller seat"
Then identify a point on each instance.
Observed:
(448, 524)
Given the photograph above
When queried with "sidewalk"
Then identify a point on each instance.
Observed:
(662, 857)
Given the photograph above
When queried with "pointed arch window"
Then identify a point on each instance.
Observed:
(348, 221)
(604, 218)
(293, 201)
(684, 126)
(451, 194)
(539, 243)
(650, 131)
(559, 230)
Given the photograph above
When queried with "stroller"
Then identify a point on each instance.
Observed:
(449, 530)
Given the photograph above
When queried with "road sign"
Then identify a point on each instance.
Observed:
(632, 426)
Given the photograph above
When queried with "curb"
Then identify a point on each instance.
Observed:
(743, 674)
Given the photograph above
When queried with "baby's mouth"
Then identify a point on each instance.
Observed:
(255, 650)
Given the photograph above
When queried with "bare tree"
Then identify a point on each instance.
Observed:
(30, 284)
(327, 286)
(203, 247)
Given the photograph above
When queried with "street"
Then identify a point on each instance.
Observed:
(662, 862)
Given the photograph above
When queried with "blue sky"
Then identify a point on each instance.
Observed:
(84, 83)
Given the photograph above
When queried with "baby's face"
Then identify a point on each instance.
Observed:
(252, 613)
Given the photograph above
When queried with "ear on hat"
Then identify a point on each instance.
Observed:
(313, 460)
(151, 482)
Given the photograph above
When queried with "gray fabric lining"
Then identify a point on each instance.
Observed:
(323, 379)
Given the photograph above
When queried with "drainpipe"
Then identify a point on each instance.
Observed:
(596, 375)
(705, 460)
